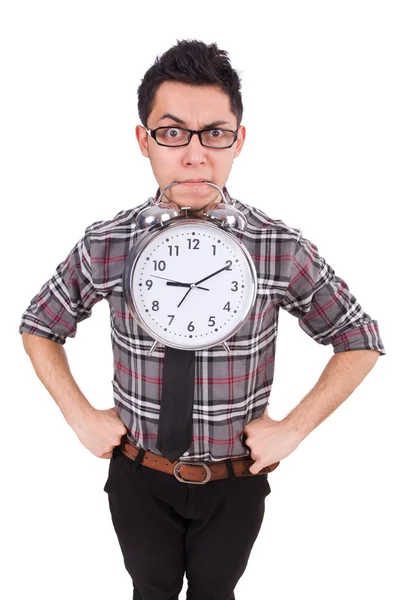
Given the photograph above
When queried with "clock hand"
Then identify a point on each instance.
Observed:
(158, 277)
(216, 273)
(201, 280)
(184, 296)
(178, 283)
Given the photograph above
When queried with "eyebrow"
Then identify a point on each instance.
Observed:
(181, 122)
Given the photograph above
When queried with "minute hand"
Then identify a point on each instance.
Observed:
(212, 275)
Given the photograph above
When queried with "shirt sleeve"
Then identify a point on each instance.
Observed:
(324, 305)
(65, 299)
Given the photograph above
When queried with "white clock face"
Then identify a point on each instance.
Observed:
(193, 285)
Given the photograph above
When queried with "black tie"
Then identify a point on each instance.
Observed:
(175, 428)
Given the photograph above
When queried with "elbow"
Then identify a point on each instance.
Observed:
(26, 340)
(31, 341)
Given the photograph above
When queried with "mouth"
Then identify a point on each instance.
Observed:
(193, 182)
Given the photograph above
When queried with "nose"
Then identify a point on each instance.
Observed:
(195, 153)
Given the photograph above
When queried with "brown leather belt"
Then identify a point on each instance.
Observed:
(193, 472)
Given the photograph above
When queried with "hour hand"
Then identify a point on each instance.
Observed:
(179, 284)
(172, 281)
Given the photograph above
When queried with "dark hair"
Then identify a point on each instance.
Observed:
(194, 63)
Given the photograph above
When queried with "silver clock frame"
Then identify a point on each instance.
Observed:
(130, 267)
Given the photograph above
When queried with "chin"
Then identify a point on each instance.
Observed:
(194, 206)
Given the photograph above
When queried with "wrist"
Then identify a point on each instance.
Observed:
(290, 425)
(80, 415)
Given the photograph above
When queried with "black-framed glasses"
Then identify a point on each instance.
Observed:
(178, 136)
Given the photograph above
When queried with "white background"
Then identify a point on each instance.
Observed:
(319, 93)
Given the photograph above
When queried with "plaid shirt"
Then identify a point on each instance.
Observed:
(230, 390)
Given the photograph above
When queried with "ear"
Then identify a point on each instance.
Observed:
(142, 137)
(240, 140)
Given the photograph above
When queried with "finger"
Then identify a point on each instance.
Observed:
(255, 468)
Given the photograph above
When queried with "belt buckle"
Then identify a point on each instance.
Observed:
(184, 462)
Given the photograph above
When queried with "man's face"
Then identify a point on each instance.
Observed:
(195, 107)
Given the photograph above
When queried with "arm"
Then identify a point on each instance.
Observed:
(51, 365)
(343, 373)
(63, 301)
(271, 441)
(98, 430)
(330, 314)
(51, 318)
(66, 299)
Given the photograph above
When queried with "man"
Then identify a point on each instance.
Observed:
(169, 526)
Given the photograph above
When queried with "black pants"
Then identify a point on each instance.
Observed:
(166, 528)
